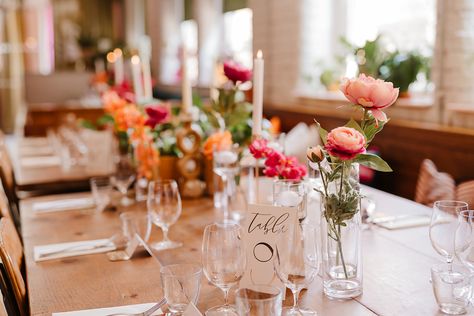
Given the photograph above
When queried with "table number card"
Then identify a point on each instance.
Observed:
(263, 226)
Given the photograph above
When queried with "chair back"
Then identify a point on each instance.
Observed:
(6, 170)
(4, 204)
(433, 185)
(11, 254)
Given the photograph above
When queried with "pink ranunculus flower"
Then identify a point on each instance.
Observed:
(292, 169)
(236, 72)
(372, 94)
(274, 159)
(157, 114)
(345, 143)
(259, 148)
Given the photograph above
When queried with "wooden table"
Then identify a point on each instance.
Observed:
(47, 179)
(396, 263)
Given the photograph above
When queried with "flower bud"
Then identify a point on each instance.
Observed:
(315, 154)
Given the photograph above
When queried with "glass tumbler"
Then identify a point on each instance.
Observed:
(101, 188)
(259, 300)
(181, 284)
(452, 287)
(135, 223)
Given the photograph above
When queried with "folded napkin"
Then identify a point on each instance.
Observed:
(34, 141)
(40, 161)
(72, 249)
(139, 308)
(399, 222)
(36, 151)
(63, 205)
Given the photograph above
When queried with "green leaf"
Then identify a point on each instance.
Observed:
(87, 124)
(353, 124)
(105, 119)
(322, 133)
(371, 129)
(373, 161)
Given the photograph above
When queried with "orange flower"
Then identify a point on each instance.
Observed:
(112, 102)
(147, 156)
(275, 126)
(128, 117)
(218, 140)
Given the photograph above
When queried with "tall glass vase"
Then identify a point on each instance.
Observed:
(341, 230)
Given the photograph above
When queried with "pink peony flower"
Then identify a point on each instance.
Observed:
(236, 72)
(259, 148)
(345, 143)
(292, 169)
(157, 114)
(270, 172)
(274, 159)
(370, 93)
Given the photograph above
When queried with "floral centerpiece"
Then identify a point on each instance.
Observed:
(344, 149)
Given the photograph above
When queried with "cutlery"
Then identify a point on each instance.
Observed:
(80, 247)
(148, 312)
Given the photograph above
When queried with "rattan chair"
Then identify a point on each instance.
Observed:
(11, 254)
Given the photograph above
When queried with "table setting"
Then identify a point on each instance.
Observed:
(241, 227)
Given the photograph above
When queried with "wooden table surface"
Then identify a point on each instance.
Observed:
(46, 178)
(396, 263)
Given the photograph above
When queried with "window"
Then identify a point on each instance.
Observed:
(189, 35)
(237, 42)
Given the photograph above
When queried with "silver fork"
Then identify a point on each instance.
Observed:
(148, 312)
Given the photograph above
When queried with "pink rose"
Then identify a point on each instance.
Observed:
(370, 93)
(259, 148)
(236, 72)
(157, 114)
(345, 143)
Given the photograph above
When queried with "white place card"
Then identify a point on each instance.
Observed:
(192, 310)
(263, 226)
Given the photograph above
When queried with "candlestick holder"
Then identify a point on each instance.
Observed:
(189, 164)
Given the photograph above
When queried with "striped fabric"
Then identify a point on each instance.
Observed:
(433, 185)
(465, 192)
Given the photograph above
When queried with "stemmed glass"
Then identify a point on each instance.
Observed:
(164, 208)
(297, 262)
(464, 239)
(223, 260)
(291, 193)
(124, 176)
(443, 226)
(226, 165)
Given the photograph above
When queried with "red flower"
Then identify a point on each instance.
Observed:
(236, 72)
(125, 91)
(274, 159)
(259, 148)
(157, 114)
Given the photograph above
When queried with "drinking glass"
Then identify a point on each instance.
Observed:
(226, 166)
(291, 193)
(223, 259)
(181, 284)
(464, 239)
(164, 208)
(135, 223)
(452, 287)
(297, 261)
(101, 190)
(258, 300)
(124, 176)
(443, 226)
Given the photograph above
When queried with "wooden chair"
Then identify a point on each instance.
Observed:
(11, 254)
(465, 192)
(433, 185)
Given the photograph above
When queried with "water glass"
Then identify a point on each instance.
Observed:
(181, 284)
(259, 300)
(135, 223)
(101, 190)
(164, 208)
(124, 176)
(443, 226)
(223, 260)
(452, 287)
(226, 166)
(291, 193)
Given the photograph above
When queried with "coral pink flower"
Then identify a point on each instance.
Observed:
(372, 94)
(345, 143)
(157, 114)
(259, 148)
(236, 72)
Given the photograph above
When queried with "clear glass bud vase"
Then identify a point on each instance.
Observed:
(341, 230)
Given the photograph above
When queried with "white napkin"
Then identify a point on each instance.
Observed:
(138, 308)
(63, 205)
(299, 139)
(36, 151)
(72, 249)
(40, 161)
(406, 222)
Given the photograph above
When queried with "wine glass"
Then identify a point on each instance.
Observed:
(223, 260)
(290, 193)
(443, 226)
(297, 262)
(464, 239)
(226, 166)
(124, 176)
(164, 208)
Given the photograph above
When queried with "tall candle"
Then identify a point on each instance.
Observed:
(136, 76)
(145, 54)
(257, 94)
(186, 89)
(118, 66)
